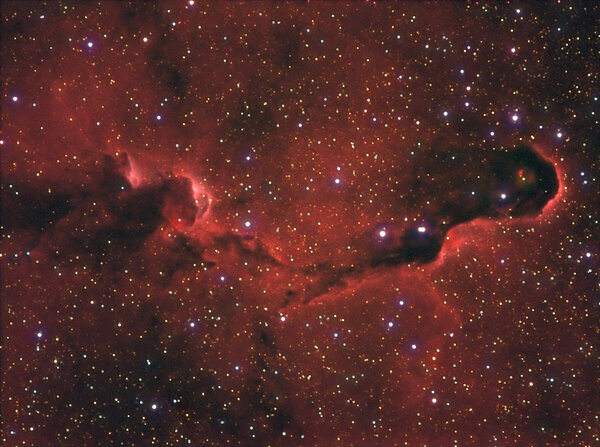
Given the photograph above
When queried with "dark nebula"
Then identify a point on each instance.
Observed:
(524, 181)
(299, 224)
(516, 182)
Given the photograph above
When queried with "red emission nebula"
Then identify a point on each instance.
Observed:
(300, 224)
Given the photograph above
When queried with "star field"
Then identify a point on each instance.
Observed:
(300, 224)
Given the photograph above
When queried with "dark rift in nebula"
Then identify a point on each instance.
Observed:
(514, 183)
(510, 183)
(108, 215)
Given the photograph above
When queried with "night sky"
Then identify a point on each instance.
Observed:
(300, 224)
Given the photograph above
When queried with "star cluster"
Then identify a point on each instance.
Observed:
(300, 224)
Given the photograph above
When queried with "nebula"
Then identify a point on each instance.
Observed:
(516, 183)
(299, 224)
